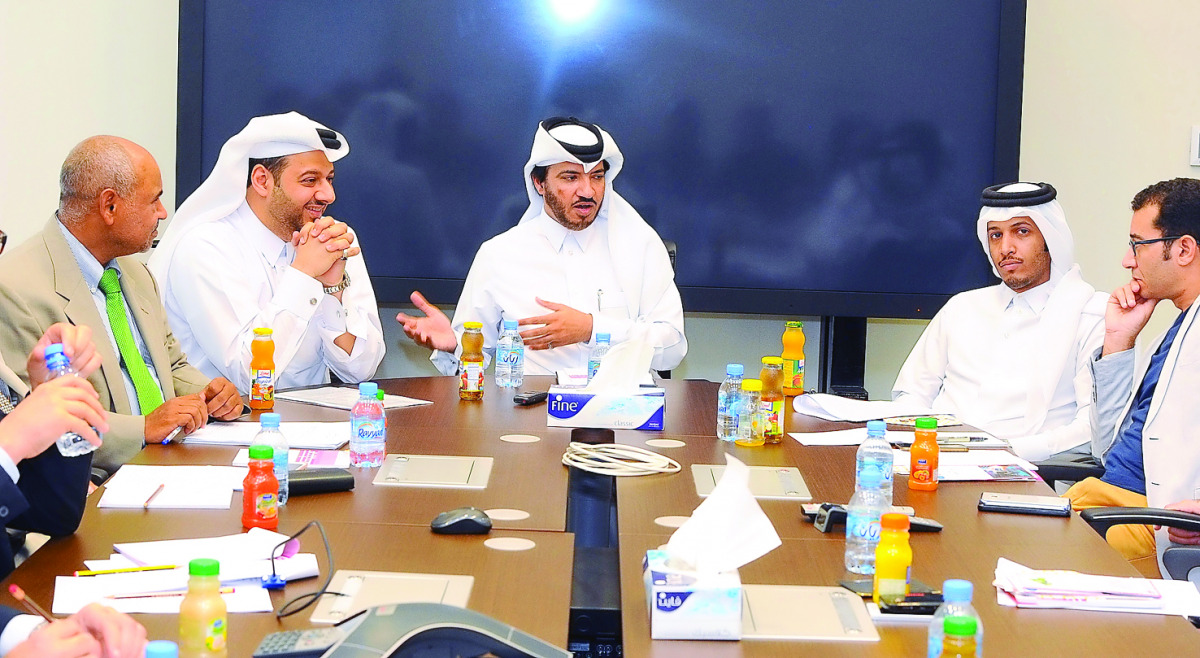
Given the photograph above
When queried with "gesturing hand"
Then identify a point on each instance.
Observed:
(564, 326)
(320, 246)
(433, 331)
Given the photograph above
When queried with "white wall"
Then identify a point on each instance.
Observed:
(70, 69)
(1110, 96)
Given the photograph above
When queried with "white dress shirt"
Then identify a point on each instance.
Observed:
(979, 359)
(92, 270)
(232, 275)
(542, 259)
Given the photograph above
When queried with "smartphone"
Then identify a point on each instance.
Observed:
(529, 398)
(917, 603)
(1024, 504)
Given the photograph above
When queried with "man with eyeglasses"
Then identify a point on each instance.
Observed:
(1011, 359)
(1145, 412)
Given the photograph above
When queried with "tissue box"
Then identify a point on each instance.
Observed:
(687, 605)
(642, 410)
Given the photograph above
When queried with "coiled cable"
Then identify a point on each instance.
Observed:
(618, 460)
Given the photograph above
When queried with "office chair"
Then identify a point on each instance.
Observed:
(1181, 562)
(672, 253)
(1069, 468)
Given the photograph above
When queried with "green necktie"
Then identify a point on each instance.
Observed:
(148, 394)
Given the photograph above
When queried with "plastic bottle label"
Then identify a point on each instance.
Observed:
(793, 373)
(921, 472)
(266, 506)
(772, 411)
(215, 635)
(368, 430)
(862, 526)
(471, 380)
(262, 385)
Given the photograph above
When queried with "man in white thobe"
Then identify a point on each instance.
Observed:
(251, 247)
(1012, 358)
(580, 262)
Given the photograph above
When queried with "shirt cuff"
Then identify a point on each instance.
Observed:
(299, 293)
(10, 467)
(17, 630)
(1115, 362)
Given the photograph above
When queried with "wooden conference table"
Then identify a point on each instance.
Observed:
(386, 529)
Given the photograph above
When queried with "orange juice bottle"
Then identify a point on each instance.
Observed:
(262, 370)
(470, 376)
(893, 557)
(203, 620)
(793, 358)
(923, 457)
(771, 376)
(260, 490)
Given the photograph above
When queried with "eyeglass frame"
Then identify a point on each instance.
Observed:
(3, 241)
(1134, 244)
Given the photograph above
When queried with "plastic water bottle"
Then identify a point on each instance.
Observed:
(597, 354)
(956, 595)
(69, 444)
(862, 523)
(270, 435)
(367, 434)
(510, 357)
(876, 452)
(728, 397)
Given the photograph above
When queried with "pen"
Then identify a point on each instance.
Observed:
(30, 604)
(100, 572)
(157, 491)
(171, 437)
(156, 595)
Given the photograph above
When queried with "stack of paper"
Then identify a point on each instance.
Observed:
(315, 436)
(172, 487)
(973, 465)
(340, 397)
(1022, 587)
(302, 459)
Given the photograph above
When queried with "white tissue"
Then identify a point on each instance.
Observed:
(623, 369)
(727, 530)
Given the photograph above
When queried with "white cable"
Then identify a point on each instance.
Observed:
(618, 460)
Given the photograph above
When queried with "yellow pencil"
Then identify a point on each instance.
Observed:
(99, 572)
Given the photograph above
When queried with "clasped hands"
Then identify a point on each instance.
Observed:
(321, 249)
(561, 327)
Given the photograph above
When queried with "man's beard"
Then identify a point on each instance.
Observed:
(559, 212)
(286, 213)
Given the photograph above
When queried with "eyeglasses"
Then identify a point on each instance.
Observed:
(1134, 244)
(3, 241)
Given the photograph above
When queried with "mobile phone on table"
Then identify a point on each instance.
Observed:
(1024, 504)
(529, 398)
(917, 603)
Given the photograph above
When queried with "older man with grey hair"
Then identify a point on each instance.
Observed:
(78, 270)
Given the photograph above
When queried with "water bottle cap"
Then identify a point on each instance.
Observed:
(602, 338)
(960, 626)
(261, 452)
(269, 420)
(876, 427)
(162, 649)
(379, 395)
(53, 348)
(368, 389)
(870, 477)
(751, 385)
(510, 324)
(735, 369)
(959, 591)
(205, 566)
(926, 423)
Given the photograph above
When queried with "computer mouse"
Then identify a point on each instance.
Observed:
(462, 521)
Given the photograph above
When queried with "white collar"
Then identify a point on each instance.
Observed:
(1035, 297)
(256, 234)
(557, 234)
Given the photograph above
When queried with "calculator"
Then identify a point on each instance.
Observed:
(311, 643)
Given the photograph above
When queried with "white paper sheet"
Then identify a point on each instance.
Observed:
(304, 458)
(1176, 597)
(303, 434)
(965, 466)
(256, 544)
(184, 487)
(833, 407)
(73, 593)
(340, 397)
(850, 437)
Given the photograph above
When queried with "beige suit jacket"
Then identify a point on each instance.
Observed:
(40, 284)
(12, 380)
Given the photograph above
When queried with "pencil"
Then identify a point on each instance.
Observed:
(30, 604)
(155, 595)
(157, 491)
(99, 572)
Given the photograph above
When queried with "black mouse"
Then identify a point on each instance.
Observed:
(462, 521)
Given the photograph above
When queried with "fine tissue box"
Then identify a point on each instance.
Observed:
(642, 410)
(687, 605)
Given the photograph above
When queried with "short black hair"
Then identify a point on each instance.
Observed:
(539, 172)
(1178, 202)
(274, 165)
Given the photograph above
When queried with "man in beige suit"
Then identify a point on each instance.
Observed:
(77, 270)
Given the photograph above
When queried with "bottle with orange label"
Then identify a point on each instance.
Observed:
(793, 358)
(470, 376)
(203, 620)
(262, 370)
(923, 457)
(260, 491)
(772, 380)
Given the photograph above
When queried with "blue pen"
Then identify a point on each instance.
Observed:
(174, 433)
